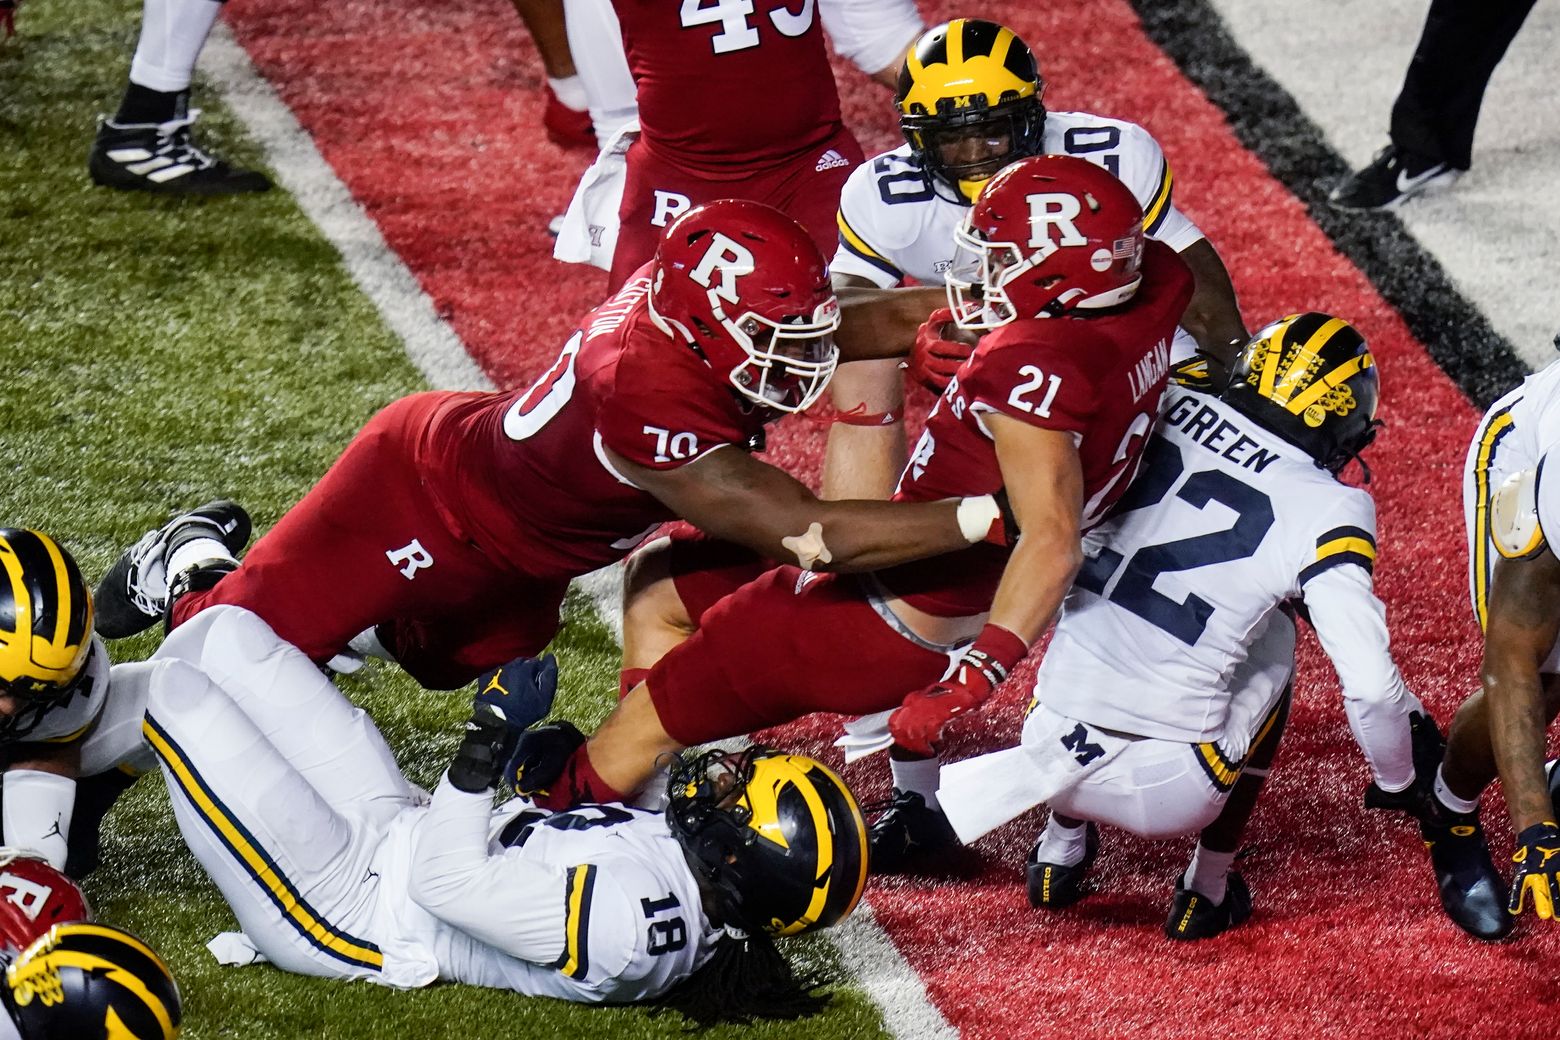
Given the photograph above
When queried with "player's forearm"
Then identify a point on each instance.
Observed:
(502, 901)
(1037, 577)
(881, 323)
(865, 536)
(1213, 316)
(1517, 735)
(37, 810)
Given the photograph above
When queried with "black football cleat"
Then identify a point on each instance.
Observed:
(1393, 177)
(909, 835)
(1194, 916)
(1053, 886)
(134, 594)
(1472, 891)
(162, 158)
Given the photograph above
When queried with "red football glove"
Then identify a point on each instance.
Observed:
(918, 724)
(934, 360)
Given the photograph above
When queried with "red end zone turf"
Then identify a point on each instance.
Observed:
(430, 114)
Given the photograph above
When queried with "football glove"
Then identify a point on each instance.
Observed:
(507, 702)
(933, 359)
(917, 724)
(1538, 870)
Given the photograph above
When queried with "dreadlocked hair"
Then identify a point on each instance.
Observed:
(746, 978)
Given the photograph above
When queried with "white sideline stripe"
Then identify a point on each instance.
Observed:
(438, 353)
(429, 341)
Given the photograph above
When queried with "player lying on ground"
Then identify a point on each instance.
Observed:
(69, 723)
(1511, 498)
(450, 528)
(1054, 406)
(970, 102)
(335, 865)
(1163, 692)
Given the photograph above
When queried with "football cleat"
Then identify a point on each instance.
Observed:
(908, 834)
(1472, 891)
(1393, 177)
(134, 594)
(566, 127)
(1053, 886)
(163, 158)
(1194, 916)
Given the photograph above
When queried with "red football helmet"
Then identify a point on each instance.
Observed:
(1050, 233)
(745, 286)
(35, 897)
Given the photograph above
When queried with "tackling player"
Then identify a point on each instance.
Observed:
(453, 523)
(1054, 406)
(969, 98)
(1511, 497)
(336, 866)
(1236, 518)
(69, 723)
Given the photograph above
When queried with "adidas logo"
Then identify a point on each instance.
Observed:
(830, 160)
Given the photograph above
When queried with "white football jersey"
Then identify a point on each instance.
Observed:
(893, 225)
(609, 882)
(71, 720)
(1519, 432)
(1224, 523)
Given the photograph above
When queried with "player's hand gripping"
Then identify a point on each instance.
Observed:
(508, 701)
(1415, 799)
(917, 724)
(1538, 870)
(934, 359)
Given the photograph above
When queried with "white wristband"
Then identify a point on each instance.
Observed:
(976, 515)
(38, 808)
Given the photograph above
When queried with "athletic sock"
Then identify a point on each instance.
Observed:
(172, 35)
(142, 105)
(1209, 872)
(921, 775)
(570, 92)
(1063, 845)
(195, 551)
(1444, 795)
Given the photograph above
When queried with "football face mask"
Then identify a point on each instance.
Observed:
(790, 362)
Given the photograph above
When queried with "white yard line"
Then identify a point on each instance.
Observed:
(430, 342)
(441, 357)
(1497, 232)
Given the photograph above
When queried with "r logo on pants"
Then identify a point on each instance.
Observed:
(413, 556)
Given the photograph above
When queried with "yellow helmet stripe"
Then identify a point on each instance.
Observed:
(1001, 45)
(956, 41)
(22, 602)
(1271, 359)
(1295, 375)
(1337, 377)
(62, 585)
(89, 963)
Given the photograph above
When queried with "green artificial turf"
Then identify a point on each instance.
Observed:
(157, 353)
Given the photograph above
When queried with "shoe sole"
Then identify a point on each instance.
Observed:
(1434, 186)
(129, 182)
(116, 623)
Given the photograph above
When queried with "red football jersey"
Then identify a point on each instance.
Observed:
(729, 85)
(1098, 377)
(522, 474)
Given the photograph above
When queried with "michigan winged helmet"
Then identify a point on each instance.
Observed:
(45, 628)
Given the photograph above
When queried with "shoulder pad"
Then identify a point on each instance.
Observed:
(1514, 526)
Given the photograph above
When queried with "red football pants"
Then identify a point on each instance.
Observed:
(656, 191)
(784, 646)
(367, 547)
